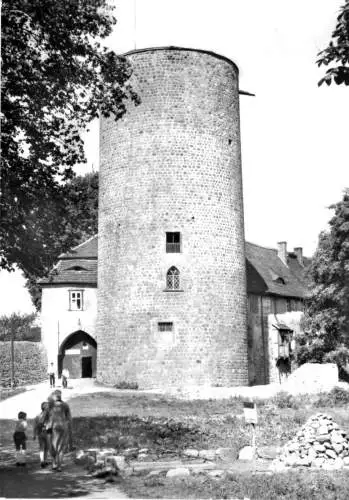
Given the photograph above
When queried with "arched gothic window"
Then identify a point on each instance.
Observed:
(172, 279)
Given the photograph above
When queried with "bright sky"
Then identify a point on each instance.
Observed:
(294, 134)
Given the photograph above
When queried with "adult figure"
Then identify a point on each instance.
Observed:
(40, 432)
(51, 373)
(59, 429)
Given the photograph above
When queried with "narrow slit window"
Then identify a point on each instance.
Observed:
(165, 327)
(172, 279)
(173, 242)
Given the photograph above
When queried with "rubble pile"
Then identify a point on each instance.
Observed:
(111, 464)
(320, 443)
(102, 463)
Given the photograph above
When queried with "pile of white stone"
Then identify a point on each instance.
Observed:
(320, 443)
(102, 463)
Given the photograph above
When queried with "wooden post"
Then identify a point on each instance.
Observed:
(253, 438)
(12, 356)
(251, 418)
(58, 356)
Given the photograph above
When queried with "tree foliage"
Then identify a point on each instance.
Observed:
(76, 221)
(337, 52)
(56, 78)
(326, 320)
(17, 325)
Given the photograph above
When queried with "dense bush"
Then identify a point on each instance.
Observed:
(127, 385)
(285, 400)
(336, 397)
(325, 325)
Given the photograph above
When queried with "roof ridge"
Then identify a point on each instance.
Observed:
(261, 246)
(289, 252)
(69, 252)
(84, 242)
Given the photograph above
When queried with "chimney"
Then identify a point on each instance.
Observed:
(299, 253)
(282, 251)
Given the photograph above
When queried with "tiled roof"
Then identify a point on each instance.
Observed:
(73, 272)
(266, 273)
(279, 279)
(86, 250)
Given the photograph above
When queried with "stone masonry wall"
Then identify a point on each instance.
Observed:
(30, 363)
(173, 164)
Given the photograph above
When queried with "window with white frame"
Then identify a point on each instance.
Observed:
(75, 300)
(165, 326)
(173, 242)
(172, 279)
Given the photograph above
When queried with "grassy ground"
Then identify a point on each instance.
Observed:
(7, 392)
(290, 485)
(166, 426)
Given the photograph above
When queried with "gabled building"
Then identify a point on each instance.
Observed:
(69, 311)
(276, 286)
(276, 289)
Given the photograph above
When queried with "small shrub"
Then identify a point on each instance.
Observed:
(285, 400)
(336, 397)
(154, 481)
(126, 385)
(300, 417)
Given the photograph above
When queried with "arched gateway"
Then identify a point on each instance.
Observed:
(78, 353)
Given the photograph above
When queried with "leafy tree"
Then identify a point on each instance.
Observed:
(81, 195)
(56, 78)
(337, 52)
(326, 320)
(17, 326)
(76, 221)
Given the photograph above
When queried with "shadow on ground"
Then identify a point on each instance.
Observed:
(32, 481)
(123, 432)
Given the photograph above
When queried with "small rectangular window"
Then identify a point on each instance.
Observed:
(165, 327)
(75, 300)
(173, 242)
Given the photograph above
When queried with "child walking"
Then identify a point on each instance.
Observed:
(65, 377)
(20, 438)
(39, 431)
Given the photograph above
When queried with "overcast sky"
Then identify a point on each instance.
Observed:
(294, 134)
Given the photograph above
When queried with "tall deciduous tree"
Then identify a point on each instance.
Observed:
(75, 221)
(56, 77)
(337, 52)
(326, 321)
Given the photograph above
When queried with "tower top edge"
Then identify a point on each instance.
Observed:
(182, 49)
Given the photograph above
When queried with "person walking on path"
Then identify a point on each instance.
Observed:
(65, 378)
(59, 429)
(20, 438)
(39, 431)
(51, 373)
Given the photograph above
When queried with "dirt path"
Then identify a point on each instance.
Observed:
(32, 481)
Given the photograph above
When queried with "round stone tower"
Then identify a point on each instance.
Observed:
(171, 262)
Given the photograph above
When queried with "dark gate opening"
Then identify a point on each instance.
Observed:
(86, 367)
(78, 354)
